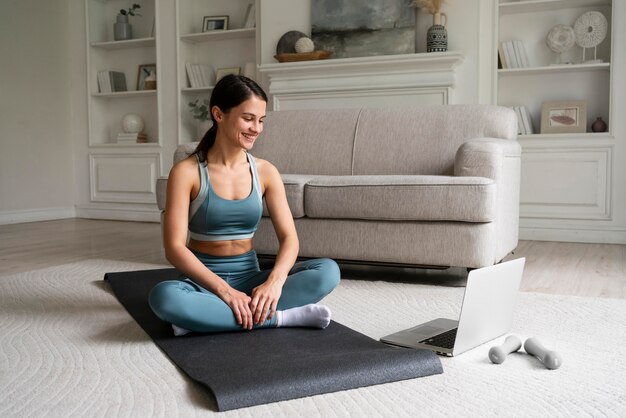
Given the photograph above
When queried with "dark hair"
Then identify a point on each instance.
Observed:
(229, 92)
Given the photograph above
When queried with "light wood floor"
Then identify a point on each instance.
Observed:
(593, 270)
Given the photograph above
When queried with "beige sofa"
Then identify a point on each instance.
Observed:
(434, 185)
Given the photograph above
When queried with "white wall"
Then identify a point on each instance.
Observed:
(36, 154)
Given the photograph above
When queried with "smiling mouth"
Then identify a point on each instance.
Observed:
(249, 137)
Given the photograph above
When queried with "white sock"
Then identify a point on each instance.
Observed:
(313, 315)
(178, 331)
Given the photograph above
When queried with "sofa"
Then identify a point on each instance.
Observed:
(422, 186)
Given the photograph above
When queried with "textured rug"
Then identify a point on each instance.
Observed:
(68, 348)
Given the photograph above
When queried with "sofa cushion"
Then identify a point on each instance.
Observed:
(424, 141)
(294, 188)
(309, 141)
(401, 198)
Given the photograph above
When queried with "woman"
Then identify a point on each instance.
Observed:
(216, 194)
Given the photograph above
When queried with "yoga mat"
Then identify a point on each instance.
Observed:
(249, 368)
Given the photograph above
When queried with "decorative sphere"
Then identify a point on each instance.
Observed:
(560, 38)
(287, 42)
(132, 123)
(304, 45)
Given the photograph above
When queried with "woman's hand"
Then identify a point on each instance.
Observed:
(265, 298)
(239, 302)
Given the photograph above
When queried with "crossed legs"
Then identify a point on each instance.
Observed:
(190, 306)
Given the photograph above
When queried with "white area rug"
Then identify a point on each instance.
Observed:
(68, 348)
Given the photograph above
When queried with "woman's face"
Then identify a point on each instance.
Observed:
(244, 123)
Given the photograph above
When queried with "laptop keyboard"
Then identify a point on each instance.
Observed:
(444, 340)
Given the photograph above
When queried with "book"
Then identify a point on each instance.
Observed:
(132, 138)
(118, 81)
(518, 55)
(520, 123)
(501, 58)
(527, 121)
(190, 77)
(512, 61)
(521, 53)
(249, 20)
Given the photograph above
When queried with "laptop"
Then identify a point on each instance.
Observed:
(486, 313)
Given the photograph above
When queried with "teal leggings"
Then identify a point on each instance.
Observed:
(188, 305)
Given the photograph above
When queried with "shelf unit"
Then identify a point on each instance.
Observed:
(106, 110)
(234, 47)
(565, 177)
(530, 21)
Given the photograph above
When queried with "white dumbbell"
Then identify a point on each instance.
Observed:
(498, 354)
(551, 359)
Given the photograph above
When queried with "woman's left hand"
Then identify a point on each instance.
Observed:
(265, 298)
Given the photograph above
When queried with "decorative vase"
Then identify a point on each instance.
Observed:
(437, 36)
(122, 30)
(599, 125)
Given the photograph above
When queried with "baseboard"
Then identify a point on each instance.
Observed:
(119, 213)
(35, 215)
(599, 236)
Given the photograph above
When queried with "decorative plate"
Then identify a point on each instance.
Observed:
(303, 56)
(590, 29)
(561, 38)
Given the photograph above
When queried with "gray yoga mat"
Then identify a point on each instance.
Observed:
(243, 369)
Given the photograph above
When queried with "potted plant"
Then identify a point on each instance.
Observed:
(199, 109)
(123, 30)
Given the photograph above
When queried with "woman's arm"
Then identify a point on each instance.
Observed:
(175, 223)
(265, 297)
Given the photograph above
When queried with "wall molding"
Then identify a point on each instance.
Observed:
(119, 213)
(384, 79)
(579, 234)
(36, 215)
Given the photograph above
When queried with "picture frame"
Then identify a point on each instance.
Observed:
(221, 72)
(211, 23)
(569, 116)
(144, 71)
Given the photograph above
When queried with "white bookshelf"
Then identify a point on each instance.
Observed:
(231, 48)
(566, 177)
(106, 110)
(544, 80)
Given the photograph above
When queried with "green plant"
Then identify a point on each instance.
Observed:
(131, 10)
(200, 109)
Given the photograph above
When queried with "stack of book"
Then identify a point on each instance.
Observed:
(110, 81)
(512, 54)
(132, 138)
(198, 75)
(524, 123)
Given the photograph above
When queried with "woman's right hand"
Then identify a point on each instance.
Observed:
(239, 302)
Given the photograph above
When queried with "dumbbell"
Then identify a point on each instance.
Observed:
(551, 359)
(498, 354)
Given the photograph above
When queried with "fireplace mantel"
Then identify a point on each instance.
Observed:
(410, 79)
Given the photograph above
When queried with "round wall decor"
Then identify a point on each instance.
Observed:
(590, 29)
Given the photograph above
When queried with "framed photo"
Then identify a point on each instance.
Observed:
(564, 117)
(145, 71)
(221, 72)
(210, 23)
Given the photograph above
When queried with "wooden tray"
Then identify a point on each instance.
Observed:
(303, 56)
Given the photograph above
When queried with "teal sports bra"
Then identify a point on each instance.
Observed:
(212, 218)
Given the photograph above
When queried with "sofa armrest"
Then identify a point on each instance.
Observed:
(161, 189)
(484, 157)
(499, 160)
